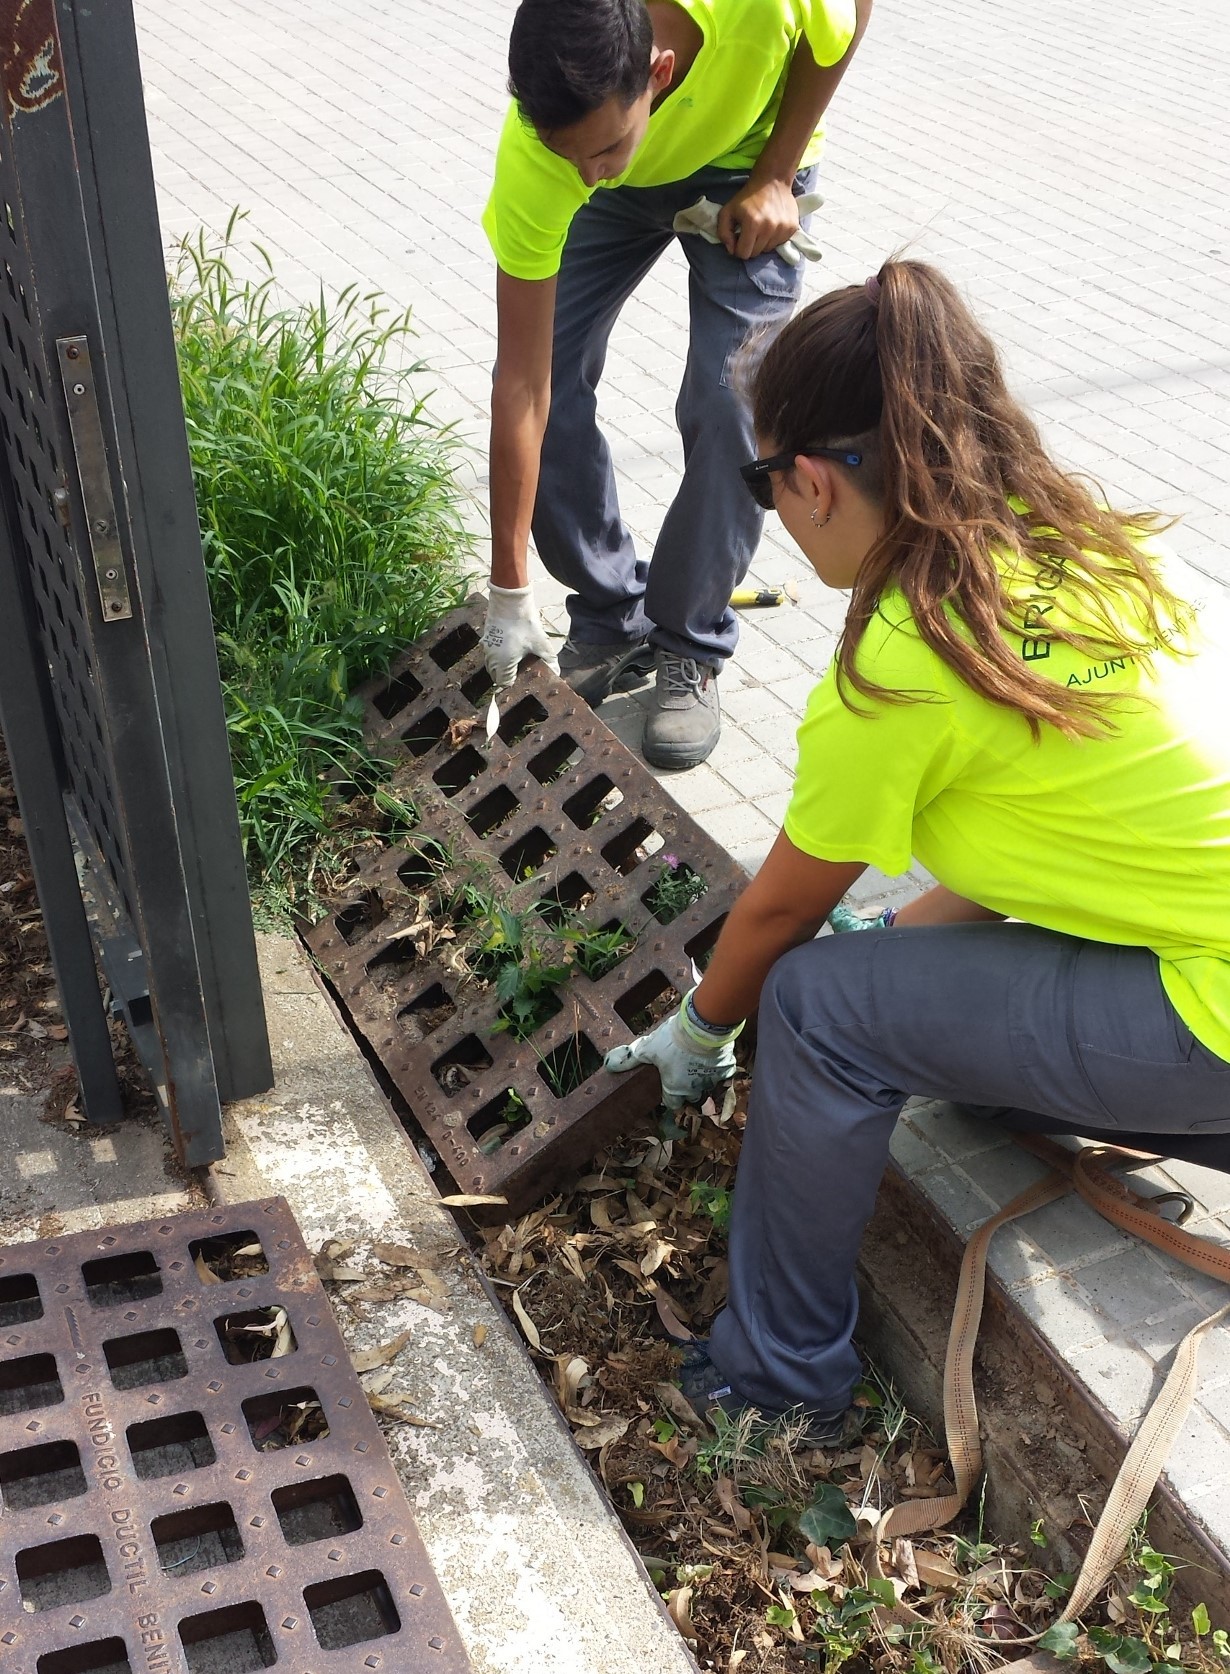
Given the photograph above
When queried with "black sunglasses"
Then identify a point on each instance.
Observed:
(757, 474)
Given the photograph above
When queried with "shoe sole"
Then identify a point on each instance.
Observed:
(668, 757)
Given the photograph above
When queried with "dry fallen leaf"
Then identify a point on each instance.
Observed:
(601, 1434)
(379, 1381)
(935, 1571)
(396, 1255)
(526, 1323)
(284, 1340)
(471, 1200)
(367, 1360)
(480, 1335)
(678, 1405)
(679, 1609)
(390, 1406)
(204, 1271)
(347, 1275)
(460, 730)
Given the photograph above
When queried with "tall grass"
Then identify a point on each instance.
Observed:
(331, 527)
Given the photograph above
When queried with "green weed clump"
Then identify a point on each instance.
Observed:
(331, 527)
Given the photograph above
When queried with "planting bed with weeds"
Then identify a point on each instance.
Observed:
(760, 1549)
(332, 537)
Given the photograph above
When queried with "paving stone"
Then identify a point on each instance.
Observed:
(956, 1136)
(1061, 1313)
(1129, 1286)
(1123, 1379)
(1071, 1233)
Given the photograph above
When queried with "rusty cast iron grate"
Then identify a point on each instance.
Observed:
(561, 820)
(167, 1503)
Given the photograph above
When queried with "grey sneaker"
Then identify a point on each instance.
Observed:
(595, 671)
(686, 720)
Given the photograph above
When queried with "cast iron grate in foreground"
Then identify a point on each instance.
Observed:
(169, 1504)
(562, 821)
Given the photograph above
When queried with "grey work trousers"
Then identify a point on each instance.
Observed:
(1046, 1031)
(711, 530)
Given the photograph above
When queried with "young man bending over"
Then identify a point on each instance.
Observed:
(624, 114)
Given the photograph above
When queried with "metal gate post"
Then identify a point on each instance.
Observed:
(106, 526)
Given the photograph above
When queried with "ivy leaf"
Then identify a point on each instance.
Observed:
(1120, 1654)
(1200, 1620)
(828, 1520)
(1060, 1641)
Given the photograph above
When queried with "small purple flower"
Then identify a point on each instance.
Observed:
(672, 860)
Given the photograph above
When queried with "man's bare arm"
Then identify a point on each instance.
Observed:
(763, 213)
(520, 405)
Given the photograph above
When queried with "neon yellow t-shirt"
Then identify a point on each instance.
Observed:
(720, 116)
(1122, 839)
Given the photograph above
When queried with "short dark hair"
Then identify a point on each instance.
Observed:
(568, 57)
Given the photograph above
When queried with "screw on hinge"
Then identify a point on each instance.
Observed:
(78, 389)
(101, 526)
(60, 500)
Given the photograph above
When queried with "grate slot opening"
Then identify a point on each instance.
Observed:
(468, 1054)
(235, 1640)
(102, 1656)
(29, 1383)
(593, 802)
(351, 1609)
(145, 1357)
(570, 1065)
(255, 1334)
(317, 1510)
(700, 949)
(229, 1256)
(478, 686)
(201, 1537)
(492, 811)
(571, 895)
(500, 1120)
(648, 1002)
(676, 888)
(453, 647)
(632, 846)
(521, 720)
(461, 769)
(114, 1280)
(285, 1418)
(396, 959)
(529, 854)
(560, 757)
(358, 917)
(41, 1476)
(424, 864)
(424, 733)
(170, 1446)
(429, 1012)
(62, 1572)
(20, 1301)
(390, 700)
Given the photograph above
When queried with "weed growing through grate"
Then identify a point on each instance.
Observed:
(330, 522)
(674, 890)
(569, 1065)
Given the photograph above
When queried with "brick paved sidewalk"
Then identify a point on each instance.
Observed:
(1070, 167)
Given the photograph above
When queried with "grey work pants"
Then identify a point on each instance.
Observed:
(1060, 1034)
(710, 532)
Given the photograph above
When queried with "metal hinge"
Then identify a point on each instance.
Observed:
(100, 519)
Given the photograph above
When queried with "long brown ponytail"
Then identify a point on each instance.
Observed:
(901, 367)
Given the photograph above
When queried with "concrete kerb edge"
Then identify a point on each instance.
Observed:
(398, 1164)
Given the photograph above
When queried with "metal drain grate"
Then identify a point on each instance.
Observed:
(166, 1504)
(555, 812)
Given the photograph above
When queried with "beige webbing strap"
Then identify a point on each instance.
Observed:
(1083, 1172)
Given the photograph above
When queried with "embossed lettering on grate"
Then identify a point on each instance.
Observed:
(562, 821)
(175, 1497)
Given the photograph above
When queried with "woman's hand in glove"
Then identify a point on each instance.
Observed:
(690, 1057)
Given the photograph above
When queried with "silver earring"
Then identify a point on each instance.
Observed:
(827, 515)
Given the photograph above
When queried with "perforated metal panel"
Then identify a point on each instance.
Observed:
(109, 690)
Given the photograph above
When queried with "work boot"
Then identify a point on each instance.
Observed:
(595, 671)
(685, 721)
(705, 1388)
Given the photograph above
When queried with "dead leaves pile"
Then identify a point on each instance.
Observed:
(599, 1280)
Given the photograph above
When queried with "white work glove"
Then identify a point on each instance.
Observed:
(702, 219)
(689, 1059)
(514, 630)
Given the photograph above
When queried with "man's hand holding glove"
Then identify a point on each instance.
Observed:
(705, 219)
(514, 630)
(690, 1055)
